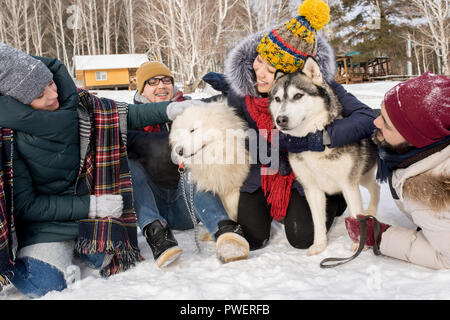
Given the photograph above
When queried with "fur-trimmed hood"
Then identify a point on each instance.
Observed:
(426, 182)
(239, 71)
(423, 190)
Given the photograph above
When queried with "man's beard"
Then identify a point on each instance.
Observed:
(401, 148)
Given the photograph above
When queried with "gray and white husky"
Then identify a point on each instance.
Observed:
(301, 103)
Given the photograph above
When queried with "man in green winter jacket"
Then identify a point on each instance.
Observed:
(40, 103)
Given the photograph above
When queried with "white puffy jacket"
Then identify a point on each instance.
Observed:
(424, 196)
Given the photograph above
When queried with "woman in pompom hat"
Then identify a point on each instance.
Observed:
(413, 134)
(250, 70)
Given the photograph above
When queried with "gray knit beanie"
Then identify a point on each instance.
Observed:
(22, 76)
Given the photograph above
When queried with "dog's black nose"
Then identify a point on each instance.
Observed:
(282, 121)
(179, 151)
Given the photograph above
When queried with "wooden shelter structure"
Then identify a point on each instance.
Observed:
(350, 71)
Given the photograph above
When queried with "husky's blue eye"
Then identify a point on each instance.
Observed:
(298, 96)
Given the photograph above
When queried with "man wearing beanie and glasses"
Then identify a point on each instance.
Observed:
(65, 185)
(158, 191)
(413, 135)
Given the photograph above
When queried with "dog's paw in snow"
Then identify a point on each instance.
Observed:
(316, 248)
(206, 237)
(355, 247)
(72, 276)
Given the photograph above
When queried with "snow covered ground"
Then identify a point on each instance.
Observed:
(278, 271)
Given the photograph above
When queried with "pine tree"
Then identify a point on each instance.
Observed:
(372, 27)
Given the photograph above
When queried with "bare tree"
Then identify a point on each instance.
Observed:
(2, 27)
(192, 37)
(12, 10)
(106, 26)
(59, 13)
(270, 12)
(436, 13)
(247, 6)
(25, 23)
(37, 34)
(116, 23)
(188, 34)
(54, 26)
(223, 7)
(154, 44)
(91, 24)
(129, 22)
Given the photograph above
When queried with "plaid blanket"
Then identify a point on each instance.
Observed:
(6, 208)
(105, 171)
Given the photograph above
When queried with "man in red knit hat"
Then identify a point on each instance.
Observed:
(413, 135)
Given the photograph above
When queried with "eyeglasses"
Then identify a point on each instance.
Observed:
(155, 81)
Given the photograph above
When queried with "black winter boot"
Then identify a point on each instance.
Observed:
(162, 242)
(230, 242)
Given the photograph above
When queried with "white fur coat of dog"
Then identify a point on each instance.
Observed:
(210, 141)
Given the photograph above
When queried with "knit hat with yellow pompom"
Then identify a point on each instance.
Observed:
(287, 46)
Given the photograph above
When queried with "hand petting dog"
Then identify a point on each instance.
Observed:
(176, 108)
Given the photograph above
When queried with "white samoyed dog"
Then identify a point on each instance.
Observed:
(210, 142)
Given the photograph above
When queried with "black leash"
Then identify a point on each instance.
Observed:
(362, 240)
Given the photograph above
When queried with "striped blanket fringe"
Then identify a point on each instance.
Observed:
(7, 247)
(124, 256)
(110, 236)
(106, 171)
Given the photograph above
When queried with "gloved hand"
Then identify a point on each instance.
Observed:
(217, 81)
(108, 205)
(284, 165)
(353, 229)
(311, 142)
(176, 108)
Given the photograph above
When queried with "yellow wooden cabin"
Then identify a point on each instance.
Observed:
(108, 71)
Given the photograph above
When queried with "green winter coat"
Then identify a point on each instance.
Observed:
(47, 159)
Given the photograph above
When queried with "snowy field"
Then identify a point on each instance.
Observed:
(277, 272)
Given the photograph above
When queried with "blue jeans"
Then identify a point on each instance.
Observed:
(35, 278)
(153, 203)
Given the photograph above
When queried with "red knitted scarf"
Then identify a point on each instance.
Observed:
(276, 186)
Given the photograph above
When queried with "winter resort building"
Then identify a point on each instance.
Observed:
(108, 71)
